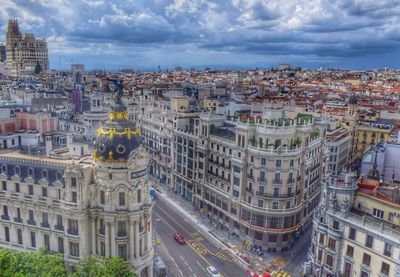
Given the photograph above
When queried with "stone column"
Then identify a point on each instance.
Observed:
(137, 253)
(94, 235)
(107, 238)
(132, 252)
(112, 239)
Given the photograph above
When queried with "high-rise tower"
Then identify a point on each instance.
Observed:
(24, 53)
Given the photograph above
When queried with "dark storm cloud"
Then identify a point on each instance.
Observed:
(340, 29)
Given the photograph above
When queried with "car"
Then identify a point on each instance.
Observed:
(213, 272)
(179, 238)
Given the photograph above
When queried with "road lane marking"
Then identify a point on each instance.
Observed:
(170, 226)
(177, 266)
(197, 245)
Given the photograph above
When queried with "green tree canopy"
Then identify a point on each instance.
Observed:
(102, 267)
(21, 264)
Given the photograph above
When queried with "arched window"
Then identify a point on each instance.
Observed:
(277, 143)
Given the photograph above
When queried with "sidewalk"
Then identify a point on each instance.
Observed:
(290, 261)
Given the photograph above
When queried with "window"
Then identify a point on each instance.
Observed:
(378, 213)
(350, 251)
(45, 218)
(3, 168)
(321, 238)
(73, 226)
(122, 251)
(59, 222)
(5, 211)
(388, 249)
(331, 243)
(278, 163)
(17, 187)
(291, 163)
(19, 235)
(33, 239)
(347, 269)
(46, 240)
(44, 192)
(102, 197)
(352, 233)
(276, 192)
(258, 236)
(30, 189)
(122, 198)
(139, 196)
(277, 177)
(74, 249)
(366, 259)
(335, 225)
(30, 171)
(17, 170)
(275, 205)
(319, 255)
(6, 234)
(18, 213)
(31, 215)
(60, 245)
(364, 273)
(59, 175)
(74, 197)
(4, 184)
(260, 203)
(263, 161)
(73, 182)
(385, 268)
(329, 261)
(121, 228)
(236, 181)
(369, 241)
(44, 174)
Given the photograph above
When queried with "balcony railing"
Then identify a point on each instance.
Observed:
(59, 227)
(45, 225)
(277, 195)
(73, 232)
(5, 217)
(18, 219)
(31, 222)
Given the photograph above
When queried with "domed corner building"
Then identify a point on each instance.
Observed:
(121, 210)
(94, 206)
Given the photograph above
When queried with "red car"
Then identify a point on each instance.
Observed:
(179, 238)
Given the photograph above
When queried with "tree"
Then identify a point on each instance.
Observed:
(20, 264)
(103, 266)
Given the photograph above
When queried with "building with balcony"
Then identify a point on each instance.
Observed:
(95, 205)
(257, 177)
(356, 229)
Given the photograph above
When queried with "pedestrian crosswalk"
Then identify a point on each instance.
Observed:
(223, 256)
(282, 273)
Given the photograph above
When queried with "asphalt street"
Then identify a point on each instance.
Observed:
(196, 255)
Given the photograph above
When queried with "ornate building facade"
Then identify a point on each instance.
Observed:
(96, 205)
(24, 53)
(356, 229)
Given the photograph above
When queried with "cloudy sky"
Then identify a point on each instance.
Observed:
(145, 34)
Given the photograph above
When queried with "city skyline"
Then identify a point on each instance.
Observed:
(146, 34)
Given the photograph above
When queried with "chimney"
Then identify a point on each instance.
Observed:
(49, 145)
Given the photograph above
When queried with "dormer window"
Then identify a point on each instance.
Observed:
(17, 170)
(44, 174)
(59, 175)
(30, 171)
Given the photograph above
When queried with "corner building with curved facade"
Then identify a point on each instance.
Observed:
(95, 205)
(258, 177)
